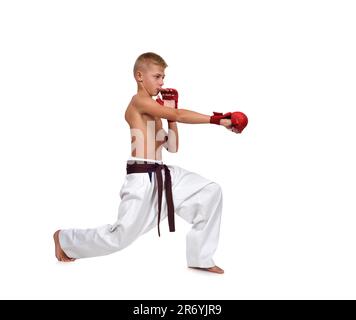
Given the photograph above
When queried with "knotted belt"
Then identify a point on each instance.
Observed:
(157, 169)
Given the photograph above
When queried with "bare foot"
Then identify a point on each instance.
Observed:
(214, 269)
(60, 254)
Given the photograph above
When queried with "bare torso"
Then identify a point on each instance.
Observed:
(147, 133)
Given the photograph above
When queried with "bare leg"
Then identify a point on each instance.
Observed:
(60, 254)
(214, 269)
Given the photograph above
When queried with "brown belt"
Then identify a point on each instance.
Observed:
(157, 169)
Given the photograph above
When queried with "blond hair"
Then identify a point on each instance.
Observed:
(147, 58)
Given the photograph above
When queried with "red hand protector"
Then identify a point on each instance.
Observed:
(218, 116)
(168, 94)
(238, 119)
(160, 101)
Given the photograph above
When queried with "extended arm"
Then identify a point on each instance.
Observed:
(148, 106)
(235, 121)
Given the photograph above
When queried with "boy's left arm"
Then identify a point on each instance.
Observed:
(172, 137)
(170, 100)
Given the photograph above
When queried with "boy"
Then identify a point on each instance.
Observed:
(194, 198)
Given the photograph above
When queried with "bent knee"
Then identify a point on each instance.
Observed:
(215, 188)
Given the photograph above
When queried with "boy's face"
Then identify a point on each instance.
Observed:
(152, 78)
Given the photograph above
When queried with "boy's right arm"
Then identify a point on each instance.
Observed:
(146, 105)
(149, 106)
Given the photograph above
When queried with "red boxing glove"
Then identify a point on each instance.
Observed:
(238, 119)
(168, 94)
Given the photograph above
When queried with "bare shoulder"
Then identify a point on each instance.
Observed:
(133, 116)
(140, 102)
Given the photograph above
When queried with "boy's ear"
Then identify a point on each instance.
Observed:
(139, 75)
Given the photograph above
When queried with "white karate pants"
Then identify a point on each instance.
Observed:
(196, 199)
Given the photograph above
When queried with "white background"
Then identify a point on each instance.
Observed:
(288, 229)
